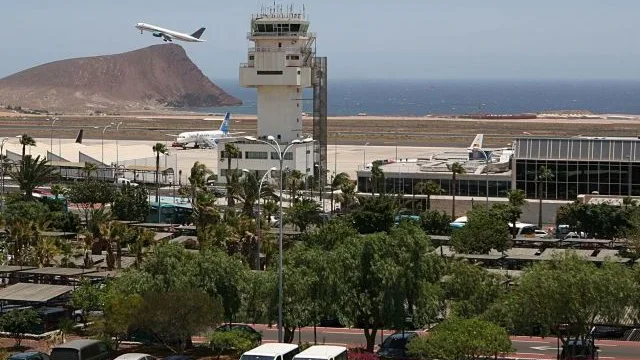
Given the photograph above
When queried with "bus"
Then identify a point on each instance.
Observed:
(323, 352)
(524, 230)
(272, 351)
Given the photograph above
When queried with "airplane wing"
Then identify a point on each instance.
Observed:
(233, 134)
(174, 135)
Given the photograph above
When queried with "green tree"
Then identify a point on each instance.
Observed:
(374, 214)
(231, 151)
(435, 222)
(26, 140)
(572, 292)
(471, 289)
(32, 173)
(347, 197)
(458, 338)
(120, 315)
(294, 181)
(89, 169)
(544, 175)
(174, 317)
(428, 188)
(330, 235)
(377, 178)
(234, 342)
(485, 230)
(455, 168)
(18, 323)
(88, 297)
(337, 182)
(517, 199)
(304, 213)
(131, 203)
(87, 194)
(158, 148)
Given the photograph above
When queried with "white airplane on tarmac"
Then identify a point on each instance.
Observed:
(169, 35)
(208, 138)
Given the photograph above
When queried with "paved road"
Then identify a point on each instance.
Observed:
(526, 347)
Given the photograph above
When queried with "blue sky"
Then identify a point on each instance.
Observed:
(401, 39)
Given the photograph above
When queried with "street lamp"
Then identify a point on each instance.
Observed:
(271, 141)
(53, 121)
(117, 148)
(486, 169)
(364, 156)
(2, 157)
(102, 146)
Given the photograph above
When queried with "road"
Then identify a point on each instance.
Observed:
(526, 347)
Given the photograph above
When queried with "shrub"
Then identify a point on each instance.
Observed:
(235, 341)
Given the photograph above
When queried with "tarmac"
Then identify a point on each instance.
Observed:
(340, 158)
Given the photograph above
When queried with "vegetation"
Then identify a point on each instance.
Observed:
(455, 168)
(158, 148)
(18, 323)
(131, 203)
(486, 229)
(32, 173)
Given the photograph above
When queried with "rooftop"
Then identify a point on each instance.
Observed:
(33, 292)
(272, 349)
(321, 352)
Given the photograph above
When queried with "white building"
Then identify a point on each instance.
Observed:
(279, 67)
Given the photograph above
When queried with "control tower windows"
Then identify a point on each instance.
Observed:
(294, 27)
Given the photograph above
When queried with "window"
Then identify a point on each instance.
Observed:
(269, 72)
(250, 57)
(294, 57)
(256, 155)
(223, 155)
(287, 156)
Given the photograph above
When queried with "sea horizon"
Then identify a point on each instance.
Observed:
(419, 97)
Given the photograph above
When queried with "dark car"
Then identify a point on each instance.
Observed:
(242, 327)
(29, 355)
(395, 345)
(576, 349)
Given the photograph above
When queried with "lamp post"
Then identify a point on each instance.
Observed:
(271, 141)
(117, 147)
(2, 157)
(53, 122)
(486, 169)
(364, 156)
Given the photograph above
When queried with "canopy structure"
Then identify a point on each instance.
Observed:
(37, 293)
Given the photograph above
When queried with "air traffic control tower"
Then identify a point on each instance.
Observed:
(281, 62)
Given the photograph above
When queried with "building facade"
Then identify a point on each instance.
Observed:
(578, 165)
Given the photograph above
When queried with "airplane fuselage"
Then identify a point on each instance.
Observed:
(199, 137)
(166, 33)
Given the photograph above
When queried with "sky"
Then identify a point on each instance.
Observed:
(363, 39)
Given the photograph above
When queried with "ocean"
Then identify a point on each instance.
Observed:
(422, 97)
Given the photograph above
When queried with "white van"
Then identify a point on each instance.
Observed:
(272, 351)
(323, 352)
(125, 181)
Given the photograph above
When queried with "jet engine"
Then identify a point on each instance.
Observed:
(157, 34)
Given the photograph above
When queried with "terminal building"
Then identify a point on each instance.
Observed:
(578, 166)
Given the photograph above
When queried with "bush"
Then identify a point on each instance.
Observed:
(235, 341)
(362, 354)
(19, 322)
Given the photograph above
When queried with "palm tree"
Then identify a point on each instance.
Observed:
(455, 168)
(304, 213)
(33, 173)
(198, 180)
(158, 148)
(428, 188)
(544, 174)
(337, 182)
(516, 202)
(377, 178)
(26, 140)
(44, 252)
(230, 151)
(89, 168)
(294, 180)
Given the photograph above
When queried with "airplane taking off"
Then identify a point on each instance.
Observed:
(169, 35)
(208, 138)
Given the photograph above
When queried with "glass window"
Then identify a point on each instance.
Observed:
(256, 155)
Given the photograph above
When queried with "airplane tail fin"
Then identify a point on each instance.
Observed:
(225, 123)
(198, 33)
(477, 142)
(79, 136)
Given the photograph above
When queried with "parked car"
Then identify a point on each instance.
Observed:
(242, 327)
(29, 355)
(84, 349)
(135, 356)
(575, 349)
(395, 345)
(78, 316)
(125, 181)
(541, 233)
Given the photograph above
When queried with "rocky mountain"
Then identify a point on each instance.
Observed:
(153, 77)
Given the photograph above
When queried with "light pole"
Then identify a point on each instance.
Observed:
(53, 122)
(2, 157)
(102, 146)
(271, 141)
(486, 169)
(364, 156)
(117, 147)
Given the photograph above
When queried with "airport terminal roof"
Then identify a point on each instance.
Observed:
(57, 271)
(28, 292)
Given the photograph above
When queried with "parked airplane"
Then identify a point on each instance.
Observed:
(209, 138)
(169, 35)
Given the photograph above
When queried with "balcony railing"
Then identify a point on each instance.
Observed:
(281, 34)
(296, 50)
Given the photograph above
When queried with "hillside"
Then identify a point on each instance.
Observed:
(155, 77)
